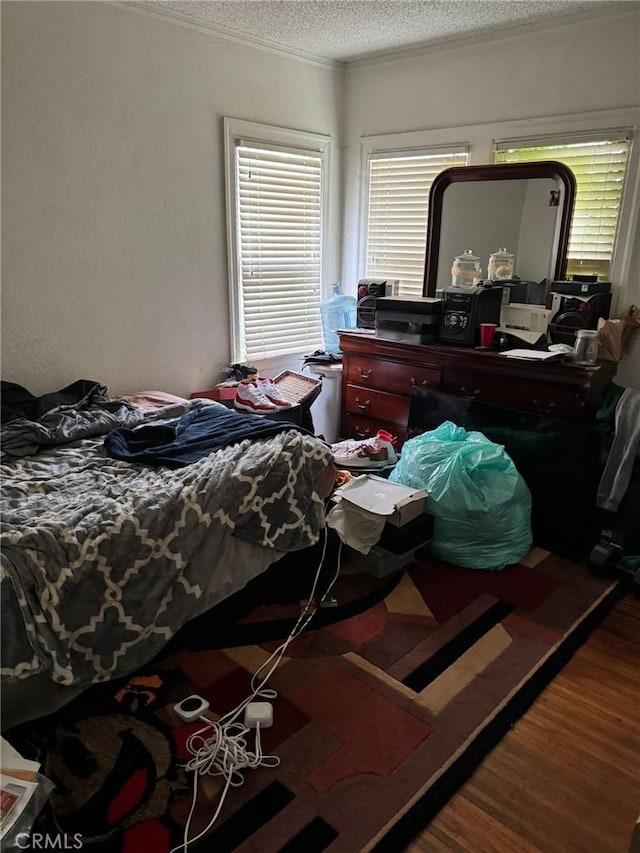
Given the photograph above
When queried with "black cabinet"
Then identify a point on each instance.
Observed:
(559, 460)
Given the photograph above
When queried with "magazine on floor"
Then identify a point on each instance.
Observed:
(15, 794)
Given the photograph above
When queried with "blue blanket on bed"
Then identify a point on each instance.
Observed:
(191, 436)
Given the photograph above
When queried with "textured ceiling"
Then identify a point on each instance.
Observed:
(351, 29)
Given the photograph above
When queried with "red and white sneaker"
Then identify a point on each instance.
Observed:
(249, 398)
(375, 452)
(273, 393)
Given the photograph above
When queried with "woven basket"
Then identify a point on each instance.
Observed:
(296, 387)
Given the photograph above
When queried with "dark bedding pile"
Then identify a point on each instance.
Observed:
(103, 560)
(80, 410)
(188, 438)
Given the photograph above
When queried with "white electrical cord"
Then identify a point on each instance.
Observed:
(224, 752)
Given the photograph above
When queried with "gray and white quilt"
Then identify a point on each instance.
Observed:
(103, 561)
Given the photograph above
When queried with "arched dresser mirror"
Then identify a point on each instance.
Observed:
(524, 207)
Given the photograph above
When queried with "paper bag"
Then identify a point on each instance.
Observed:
(614, 335)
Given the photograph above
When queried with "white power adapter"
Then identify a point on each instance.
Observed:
(191, 707)
(258, 714)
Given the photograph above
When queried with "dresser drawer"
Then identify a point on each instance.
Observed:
(355, 426)
(562, 401)
(391, 376)
(558, 401)
(464, 383)
(377, 404)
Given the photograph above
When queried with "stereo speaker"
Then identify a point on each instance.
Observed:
(572, 311)
(369, 291)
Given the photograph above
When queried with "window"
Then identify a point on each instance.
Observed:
(275, 204)
(599, 165)
(397, 211)
(601, 148)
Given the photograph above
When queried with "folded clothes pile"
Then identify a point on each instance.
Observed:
(238, 372)
(375, 452)
(321, 357)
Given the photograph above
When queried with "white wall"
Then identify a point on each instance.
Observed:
(114, 256)
(114, 243)
(579, 68)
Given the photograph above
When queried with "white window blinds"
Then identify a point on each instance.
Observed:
(279, 240)
(397, 213)
(599, 165)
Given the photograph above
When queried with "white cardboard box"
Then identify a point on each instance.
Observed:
(397, 503)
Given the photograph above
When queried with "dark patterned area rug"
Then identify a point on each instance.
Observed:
(379, 717)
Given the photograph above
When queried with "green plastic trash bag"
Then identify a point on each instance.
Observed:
(480, 503)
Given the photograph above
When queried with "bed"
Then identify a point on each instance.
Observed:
(104, 560)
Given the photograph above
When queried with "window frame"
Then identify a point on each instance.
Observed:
(291, 140)
(396, 154)
(576, 138)
(482, 139)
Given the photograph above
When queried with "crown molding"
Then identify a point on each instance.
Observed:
(628, 8)
(151, 10)
(615, 9)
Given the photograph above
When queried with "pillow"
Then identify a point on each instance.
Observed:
(152, 399)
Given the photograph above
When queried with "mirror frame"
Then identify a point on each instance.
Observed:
(501, 172)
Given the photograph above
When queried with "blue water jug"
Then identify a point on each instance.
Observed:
(336, 312)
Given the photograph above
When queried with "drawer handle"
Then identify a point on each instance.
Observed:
(471, 395)
(544, 407)
(361, 433)
(365, 374)
(424, 383)
(364, 406)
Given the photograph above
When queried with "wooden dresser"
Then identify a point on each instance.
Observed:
(378, 376)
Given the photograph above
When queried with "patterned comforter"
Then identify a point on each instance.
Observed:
(103, 561)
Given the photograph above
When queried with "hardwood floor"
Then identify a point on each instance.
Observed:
(566, 778)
